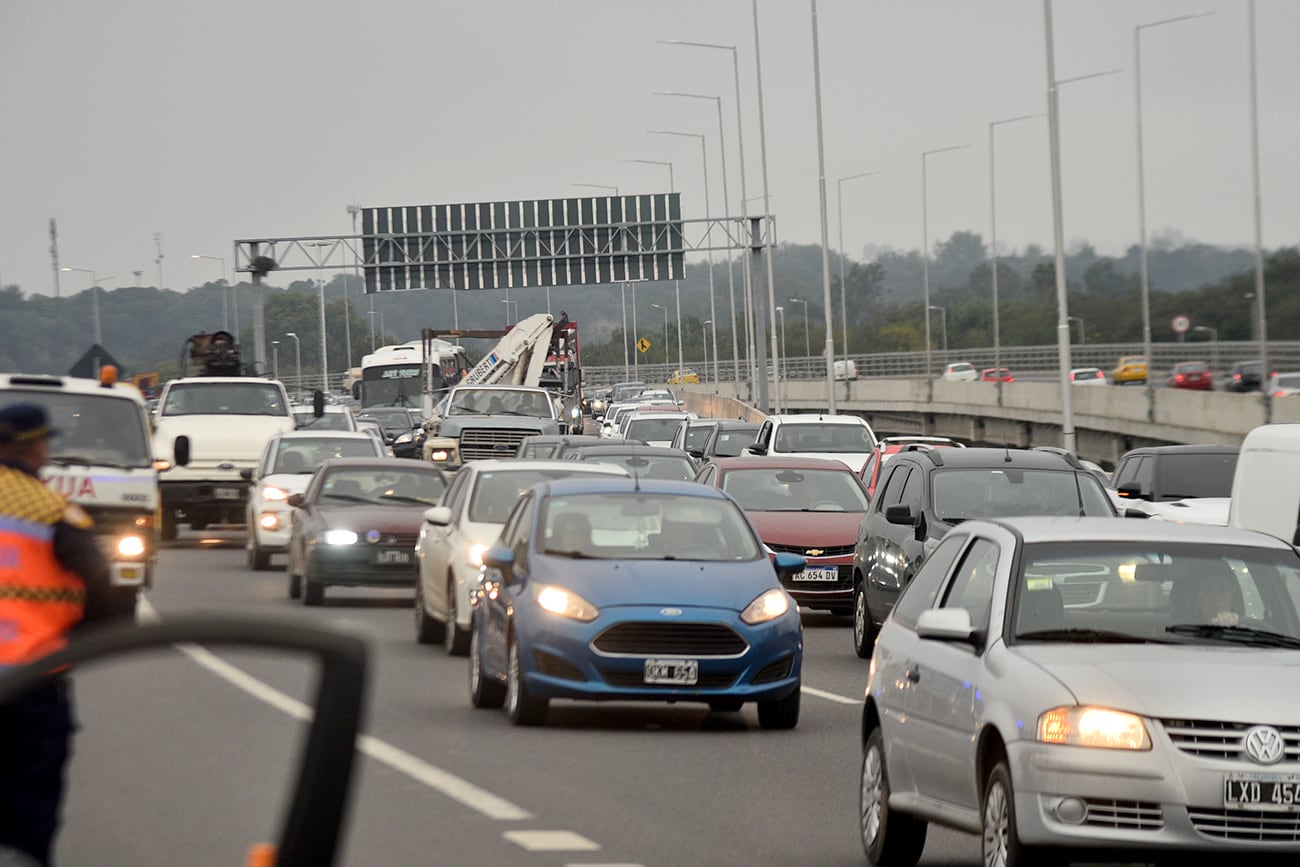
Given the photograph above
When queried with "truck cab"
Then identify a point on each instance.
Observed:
(487, 421)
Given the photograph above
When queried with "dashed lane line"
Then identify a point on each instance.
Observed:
(830, 696)
(551, 841)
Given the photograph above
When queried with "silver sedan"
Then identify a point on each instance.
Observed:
(1087, 688)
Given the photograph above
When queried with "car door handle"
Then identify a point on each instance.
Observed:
(913, 675)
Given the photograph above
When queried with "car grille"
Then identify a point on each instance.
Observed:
(805, 550)
(670, 639)
(1222, 740)
(774, 671)
(637, 679)
(493, 442)
(554, 666)
(1246, 824)
(1128, 815)
(1078, 594)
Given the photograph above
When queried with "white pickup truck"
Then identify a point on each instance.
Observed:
(207, 429)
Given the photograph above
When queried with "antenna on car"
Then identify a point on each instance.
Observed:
(635, 464)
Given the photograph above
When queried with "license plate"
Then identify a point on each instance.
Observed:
(225, 493)
(817, 575)
(1277, 793)
(681, 672)
(392, 557)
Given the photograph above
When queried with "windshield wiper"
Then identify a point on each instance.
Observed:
(350, 498)
(1091, 636)
(405, 499)
(83, 461)
(1242, 634)
(572, 555)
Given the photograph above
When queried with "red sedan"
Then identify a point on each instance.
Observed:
(996, 374)
(1191, 374)
(805, 506)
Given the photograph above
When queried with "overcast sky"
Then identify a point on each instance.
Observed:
(212, 120)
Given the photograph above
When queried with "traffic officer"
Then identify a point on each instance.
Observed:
(53, 576)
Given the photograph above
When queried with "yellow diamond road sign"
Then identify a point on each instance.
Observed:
(643, 345)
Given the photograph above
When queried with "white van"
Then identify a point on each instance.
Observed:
(1266, 485)
(846, 370)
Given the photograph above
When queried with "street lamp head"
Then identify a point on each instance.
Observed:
(290, 334)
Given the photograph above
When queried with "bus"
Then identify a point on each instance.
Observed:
(391, 375)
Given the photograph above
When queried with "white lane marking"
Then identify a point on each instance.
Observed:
(551, 841)
(830, 696)
(603, 864)
(477, 799)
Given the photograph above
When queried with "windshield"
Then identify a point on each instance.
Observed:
(670, 467)
(391, 385)
(729, 442)
(653, 429)
(93, 429)
(1205, 474)
(328, 421)
(361, 486)
(623, 392)
(962, 494)
(639, 526)
(786, 490)
(499, 401)
(828, 438)
(226, 398)
(495, 492)
(303, 455)
(696, 435)
(1187, 592)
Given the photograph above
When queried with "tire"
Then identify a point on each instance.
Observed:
(427, 630)
(295, 584)
(483, 690)
(258, 560)
(198, 526)
(123, 602)
(167, 531)
(781, 713)
(998, 841)
(313, 592)
(454, 639)
(864, 630)
(890, 839)
(523, 708)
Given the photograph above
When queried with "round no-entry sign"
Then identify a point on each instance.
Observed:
(1181, 324)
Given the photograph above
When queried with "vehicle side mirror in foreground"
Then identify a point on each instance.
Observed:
(439, 516)
(317, 811)
(945, 624)
(1130, 491)
(787, 564)
(500, 557)
(295, 500)
(1135, 513)
(900, 513)
(181, 450)
(755, 449)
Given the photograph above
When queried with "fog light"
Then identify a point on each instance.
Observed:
(439, 455)
(269, 521)
(1071, 811)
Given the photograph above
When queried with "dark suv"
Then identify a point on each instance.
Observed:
(923, 494)
(1163, 473)
(1244, 376)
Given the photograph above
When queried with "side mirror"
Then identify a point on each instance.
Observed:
(697, 454)
(755, 449)
(787, 564)
(318, 403)
(900, 513)
(246, 474)
(181, 450)
(1131, 491)
(439, 516)
(945, 624)
(500, 557)
(356, 391)
(295, 500)
(1135, 513)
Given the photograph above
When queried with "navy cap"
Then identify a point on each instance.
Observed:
(23, 422)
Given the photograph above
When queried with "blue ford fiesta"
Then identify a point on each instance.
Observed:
(644, 591)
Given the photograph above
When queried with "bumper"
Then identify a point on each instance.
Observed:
(356, 566)
(560, 661)
(1167, 801)
(837, 593)
(215, 494)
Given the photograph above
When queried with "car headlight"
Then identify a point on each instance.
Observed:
(1086, 726)
(575, 413)
(269, 521)
(771, 605)
(475, 554)
(340, 537)
(404, 438)
(439, 455)
(565, 603)
(130, 546)
(271, 492)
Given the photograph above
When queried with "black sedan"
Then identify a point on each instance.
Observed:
(357, 522)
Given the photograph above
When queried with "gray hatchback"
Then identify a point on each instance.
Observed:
(1081, 689)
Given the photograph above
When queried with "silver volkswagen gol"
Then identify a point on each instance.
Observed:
(1089, 689)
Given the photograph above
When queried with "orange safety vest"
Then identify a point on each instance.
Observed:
(39, 599)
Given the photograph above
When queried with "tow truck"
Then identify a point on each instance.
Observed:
(102, 461)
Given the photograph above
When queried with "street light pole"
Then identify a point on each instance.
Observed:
(508, 302)
(677, 284)
(807, 340)
(943, 321)
(297, 354)
(94, 300)
(1261, 333)
(708, 217)
(225, 291)
(275, 359)
(715, 355)
(1214, 346)
(372, 314)
(925, 250)
(844, 310)
(1083, 338)
(726, 207)
(324, 357)
(1142, 196)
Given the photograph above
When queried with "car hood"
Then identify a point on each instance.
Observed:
(1177, 681)
(290, 483)
(807, 529)
(678, 583)
(386, 519)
